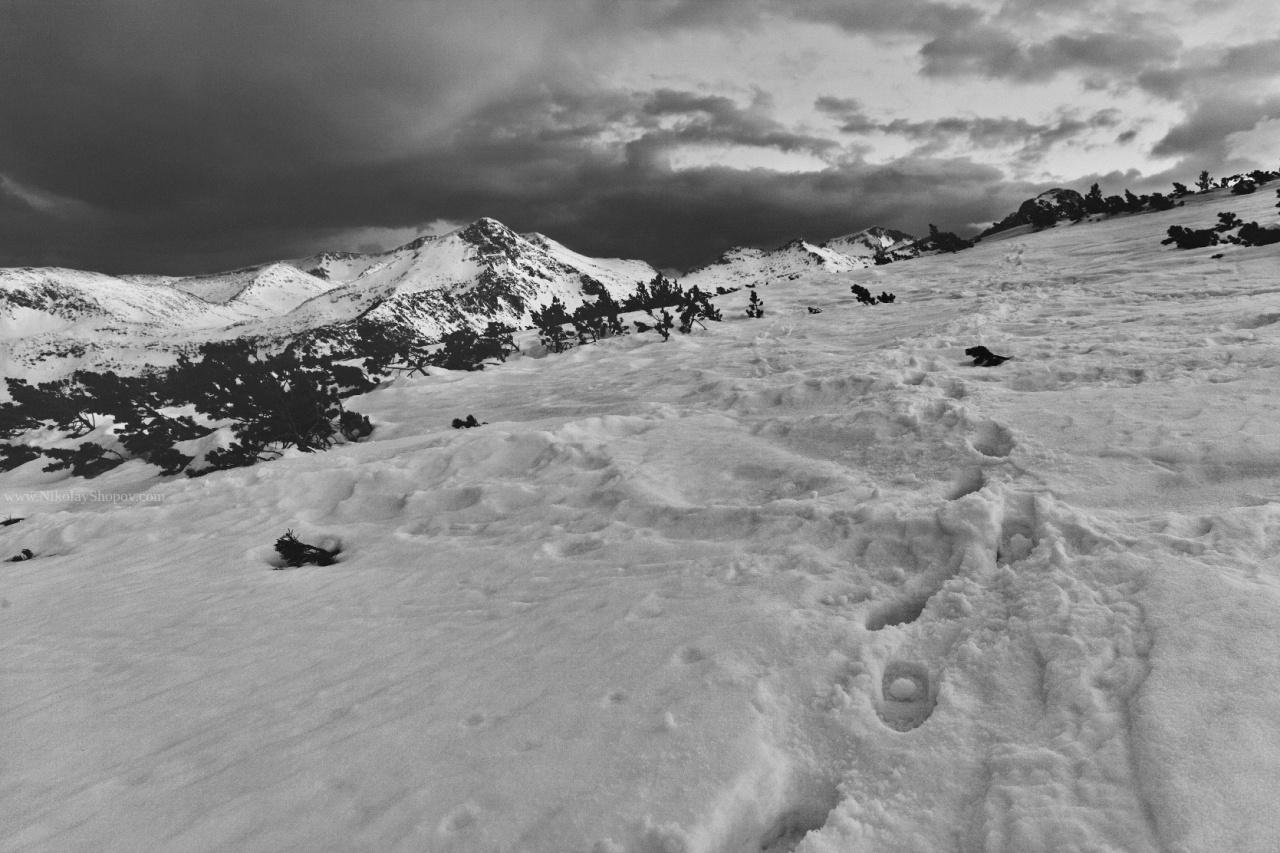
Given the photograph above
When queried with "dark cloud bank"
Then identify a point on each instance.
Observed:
(191, 137)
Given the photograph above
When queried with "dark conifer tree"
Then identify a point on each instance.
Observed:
(1094, 203)
(62, 404)
(13, 455)
(696, 306)
(1227, 221)
(550, 322)
(88, 460)
(662, 324)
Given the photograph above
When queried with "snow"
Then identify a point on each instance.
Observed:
(53, 320)
(865, 243)
(808, 582)
(741, 267)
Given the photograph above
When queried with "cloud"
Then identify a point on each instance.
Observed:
(182, 101)
(996, 53)
(154, 136)
(1238, 67)
(584, 165)
(933, 136)
(1259, 144)
(869, 17)
(1204, 136)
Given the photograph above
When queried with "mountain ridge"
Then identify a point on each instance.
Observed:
(431, 285)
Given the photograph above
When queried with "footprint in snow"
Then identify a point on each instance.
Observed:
(459, 819)
(993, 440)
(691, 655)
(906, 696)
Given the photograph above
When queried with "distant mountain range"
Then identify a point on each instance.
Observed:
(54, 319)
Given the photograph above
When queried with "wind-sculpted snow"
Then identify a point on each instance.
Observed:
(811, 582)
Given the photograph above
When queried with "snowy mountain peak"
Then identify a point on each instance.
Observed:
(867, 242)
(741, 265)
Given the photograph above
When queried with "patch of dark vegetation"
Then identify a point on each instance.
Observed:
(296, 553)
(1247, 234)
(983, 357)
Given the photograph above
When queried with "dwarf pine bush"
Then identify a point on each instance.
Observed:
(297, 553)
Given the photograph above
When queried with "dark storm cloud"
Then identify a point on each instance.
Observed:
(875, 16)
(587, 166)
(713, 119)
(184, 137)
(935, 135)
(138, 105)
(1202, 137)
(1236, 66)
(556, 176)
(990, 51)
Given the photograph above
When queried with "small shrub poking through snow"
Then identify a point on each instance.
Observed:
(755, 306)
(1253, 234)
(459, 423)
(695, 306)
(1190, 238)
(1226, 222)
(983, 357)
(864, 296)
(24, 555)
(661, 324)
(297, 553)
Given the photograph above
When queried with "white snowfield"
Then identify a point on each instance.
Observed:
(809, 582)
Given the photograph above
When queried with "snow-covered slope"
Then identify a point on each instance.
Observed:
(866, 243)
(747, 266)
(54, 319)
(810, 582)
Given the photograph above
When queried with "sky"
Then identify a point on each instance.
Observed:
(186, 137)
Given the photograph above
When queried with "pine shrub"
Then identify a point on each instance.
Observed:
(550, 322)
(1187, 238)
(88, 460)
(696, 306)
(13, 455)
(983, 357)
(662, 324)
(297, 553)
